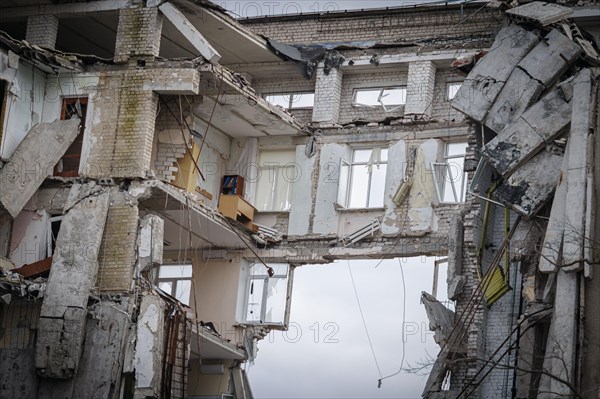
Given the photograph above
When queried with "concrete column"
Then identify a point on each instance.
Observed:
(138, 34)
(42, 30)
(328, 94)
(419, 91)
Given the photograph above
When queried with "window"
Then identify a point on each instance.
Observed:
(68, 166)
(176, 280)
(390, 98)
(453, 89)
(277, 175)
(266, 298)
(292, 100)
(53, 229)
(362, 181)
(449, 176)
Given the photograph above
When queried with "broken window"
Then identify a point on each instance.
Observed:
(362, 181)
(176, 280)
(449, 175)
(292, 100)
(390, 98)
(3, 97)
(266, 299)
(453, 89)
(277, 174)
(68, 166)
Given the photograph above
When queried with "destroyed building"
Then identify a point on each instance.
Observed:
(164, 168)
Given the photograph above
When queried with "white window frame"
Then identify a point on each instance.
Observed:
(275, 171)
(451, 89)
(175, 282)
(264, 301)
(291, 100)
(444, 179)
(382, 95)
(343, 198)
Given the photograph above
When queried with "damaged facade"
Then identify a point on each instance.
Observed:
(158, 192)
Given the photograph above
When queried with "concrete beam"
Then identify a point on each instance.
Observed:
(33, 161)
(479, 91)
(72, 9)
(574, 236)
(172, 81)
(441, 58)
(72, 276)
(189, 31)
(518, 142)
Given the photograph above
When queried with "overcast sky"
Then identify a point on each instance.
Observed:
(326, 353)
(248, 8)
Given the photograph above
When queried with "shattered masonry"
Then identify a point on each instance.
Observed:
(164, 170)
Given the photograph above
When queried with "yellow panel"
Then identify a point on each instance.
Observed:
(495, 286)
(187, 175)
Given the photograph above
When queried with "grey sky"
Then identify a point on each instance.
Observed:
(249, 8)
(334, 360)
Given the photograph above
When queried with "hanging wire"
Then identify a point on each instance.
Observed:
(363, 318)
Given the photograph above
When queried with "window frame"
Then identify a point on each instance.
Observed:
(277, 171)
(291, 101)
(175, 281)
(250, 278)
(381, 89)
(350, 178)
(445, 178)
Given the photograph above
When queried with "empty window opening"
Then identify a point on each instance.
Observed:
(452, 90)
(390, 98)
(3, 98)
(362, 181)
(292, 100)
(266, 299)
(68, 166)
(176, 280)
(53, 229)
(277, 175)
(450, 177)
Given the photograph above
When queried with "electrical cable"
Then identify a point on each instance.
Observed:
(363, 319)
(403, 323)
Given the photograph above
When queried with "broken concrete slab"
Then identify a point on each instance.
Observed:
(550, 58)
(528, 189)
(539, 125)
(441, 319)
(539, 69)
(541, 12)
(33, 161)
(577, 173)
(149, 347)
(72, 276)
(560, 356)
(518, 94)
(479, 91)
(100, 368)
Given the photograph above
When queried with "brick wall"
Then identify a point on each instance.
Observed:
(405, 25)
(138, 34)
(42, 30)
(441, 104)
(118, 249)
(123, 135)
(328, 92)
(419, 90)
